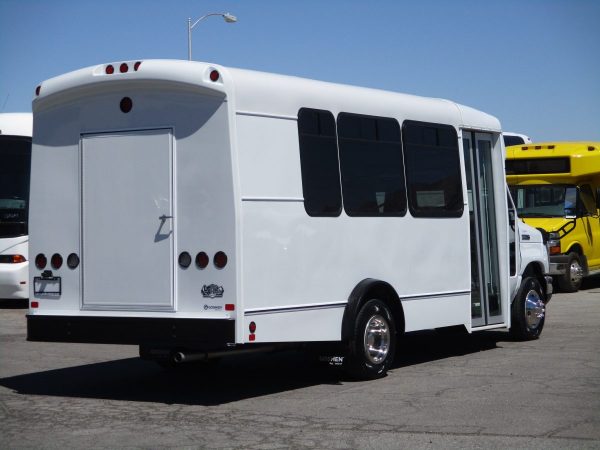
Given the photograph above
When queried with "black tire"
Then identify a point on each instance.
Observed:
(528, 311)
(572, 279)
(373, 343)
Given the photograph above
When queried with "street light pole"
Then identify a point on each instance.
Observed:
(229, 18)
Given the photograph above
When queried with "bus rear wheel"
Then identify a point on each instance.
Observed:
(573, 277)
(528, 311)
(373, 343)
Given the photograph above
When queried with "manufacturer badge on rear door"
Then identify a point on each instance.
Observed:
(212, 291)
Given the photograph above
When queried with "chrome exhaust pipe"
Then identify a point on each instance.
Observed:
(183, 356)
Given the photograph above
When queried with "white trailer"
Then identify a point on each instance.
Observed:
(15, 158)
(190, 208)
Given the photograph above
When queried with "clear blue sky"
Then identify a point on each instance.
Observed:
(534, 64)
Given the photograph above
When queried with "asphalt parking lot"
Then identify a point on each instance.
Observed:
(478, 391)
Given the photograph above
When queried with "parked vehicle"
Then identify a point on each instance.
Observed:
(556, 187)
(515, 138)
(195, 210)
(15, 158)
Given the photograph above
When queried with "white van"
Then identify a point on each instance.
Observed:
(515, 139)
(15, 157)
(194, 209)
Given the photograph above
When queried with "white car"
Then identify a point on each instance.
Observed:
(15, 154)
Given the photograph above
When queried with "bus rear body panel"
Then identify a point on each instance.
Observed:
(136, 195)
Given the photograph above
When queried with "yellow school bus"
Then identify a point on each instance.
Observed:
(556, 188)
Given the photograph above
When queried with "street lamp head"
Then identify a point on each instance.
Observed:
(229, 18)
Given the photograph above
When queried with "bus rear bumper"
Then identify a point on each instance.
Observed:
(172, 332)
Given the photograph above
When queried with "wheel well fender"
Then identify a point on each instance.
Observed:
(368, 289)
(576, 248)
(535, 270)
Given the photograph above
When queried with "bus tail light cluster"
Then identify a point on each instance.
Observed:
(12, 259)
(124, 67)
(202, 260)
(56, 261)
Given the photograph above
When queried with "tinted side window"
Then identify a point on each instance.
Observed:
(432, 170)
(371, 165)
(513, 140)
(319, 163)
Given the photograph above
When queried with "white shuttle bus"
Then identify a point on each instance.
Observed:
(194, 209)
(15, 157)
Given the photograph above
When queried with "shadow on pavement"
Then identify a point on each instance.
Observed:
(591, 283)
(14, 304)
(231, 379)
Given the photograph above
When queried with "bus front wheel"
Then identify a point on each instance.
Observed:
(528, 311)
(573, 277)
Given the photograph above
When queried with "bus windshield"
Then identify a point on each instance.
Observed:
(15, 155)
(548, 200)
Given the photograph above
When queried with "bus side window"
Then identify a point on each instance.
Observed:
(587, 200)
(371, 165)
(319, 163)
(432, 169)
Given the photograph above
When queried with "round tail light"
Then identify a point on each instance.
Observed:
(126, 104)
(252, 327)
(41, 261)
(56, 261)
(202, 260)
(220, 260)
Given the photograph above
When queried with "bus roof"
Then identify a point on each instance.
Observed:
(269, 94)
(16, 124)
(558, 162)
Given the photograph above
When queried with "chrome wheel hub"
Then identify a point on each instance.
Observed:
(575, 272)
(377, 339)
(535, 310)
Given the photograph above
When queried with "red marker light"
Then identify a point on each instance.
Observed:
(229, 307)
(252, 327)
(123, 68)
(109, 69)
(202, 260)
(56, 261)
(137, 65)
(214, 75)
(126, 104)
(40, 261)
(220, 260)
(35, 304)
(252, 337)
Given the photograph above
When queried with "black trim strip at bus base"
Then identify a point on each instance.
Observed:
(130, 330)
